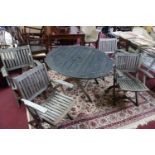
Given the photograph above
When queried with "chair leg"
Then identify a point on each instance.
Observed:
(69, 117)
(133, 101)
(136, 96)
(114, 93)
(36, 124)
(62, 89)
(18, 101)
(96, 81)
(114, 87)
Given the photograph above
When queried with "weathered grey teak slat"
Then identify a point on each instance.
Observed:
(108, 45)
(15, 58)
(79, 62)
(125, 64)
(34, 82)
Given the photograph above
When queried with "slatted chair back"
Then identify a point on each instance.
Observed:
(129, 62)
(15, 58)
(33, 82)
(108, 45)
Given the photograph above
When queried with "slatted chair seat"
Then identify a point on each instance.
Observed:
(134, 85)
(125, 64)
(57, 106)
(34, 82)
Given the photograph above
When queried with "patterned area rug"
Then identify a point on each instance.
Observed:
(101, 113)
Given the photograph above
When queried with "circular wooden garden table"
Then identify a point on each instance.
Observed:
(79, 62)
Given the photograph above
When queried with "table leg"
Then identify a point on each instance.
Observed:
(80, 86)
(83, 90)
(96, 81)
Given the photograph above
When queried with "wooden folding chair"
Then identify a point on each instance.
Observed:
(33, 83)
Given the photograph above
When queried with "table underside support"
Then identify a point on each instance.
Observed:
(83, 90)
(77, 81)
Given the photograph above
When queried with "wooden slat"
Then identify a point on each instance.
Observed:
(47, 117)
(51, 115)
(63, 100)
(13, 58)
(57, 101)
(19, 53)
(22, 56)
(6, 60)
(25, 55)
(56, 105)
(9, 59)
(36, 81)
(26, 88)
(53, 108)
(22, 91)
(52, 112)
(17, 58)
(58, 93)
(29, 87)
(42, 78)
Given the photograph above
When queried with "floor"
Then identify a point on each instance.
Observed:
(11, 116)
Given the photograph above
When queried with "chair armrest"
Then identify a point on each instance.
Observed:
(120, 73)
(37, 63)
(122, 51)
(34, 106)
(146, 73)
(67, 84)
(4, 72)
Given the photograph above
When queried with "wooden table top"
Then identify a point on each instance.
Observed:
(79, 62)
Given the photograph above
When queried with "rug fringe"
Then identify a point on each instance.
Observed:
(141, 122)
